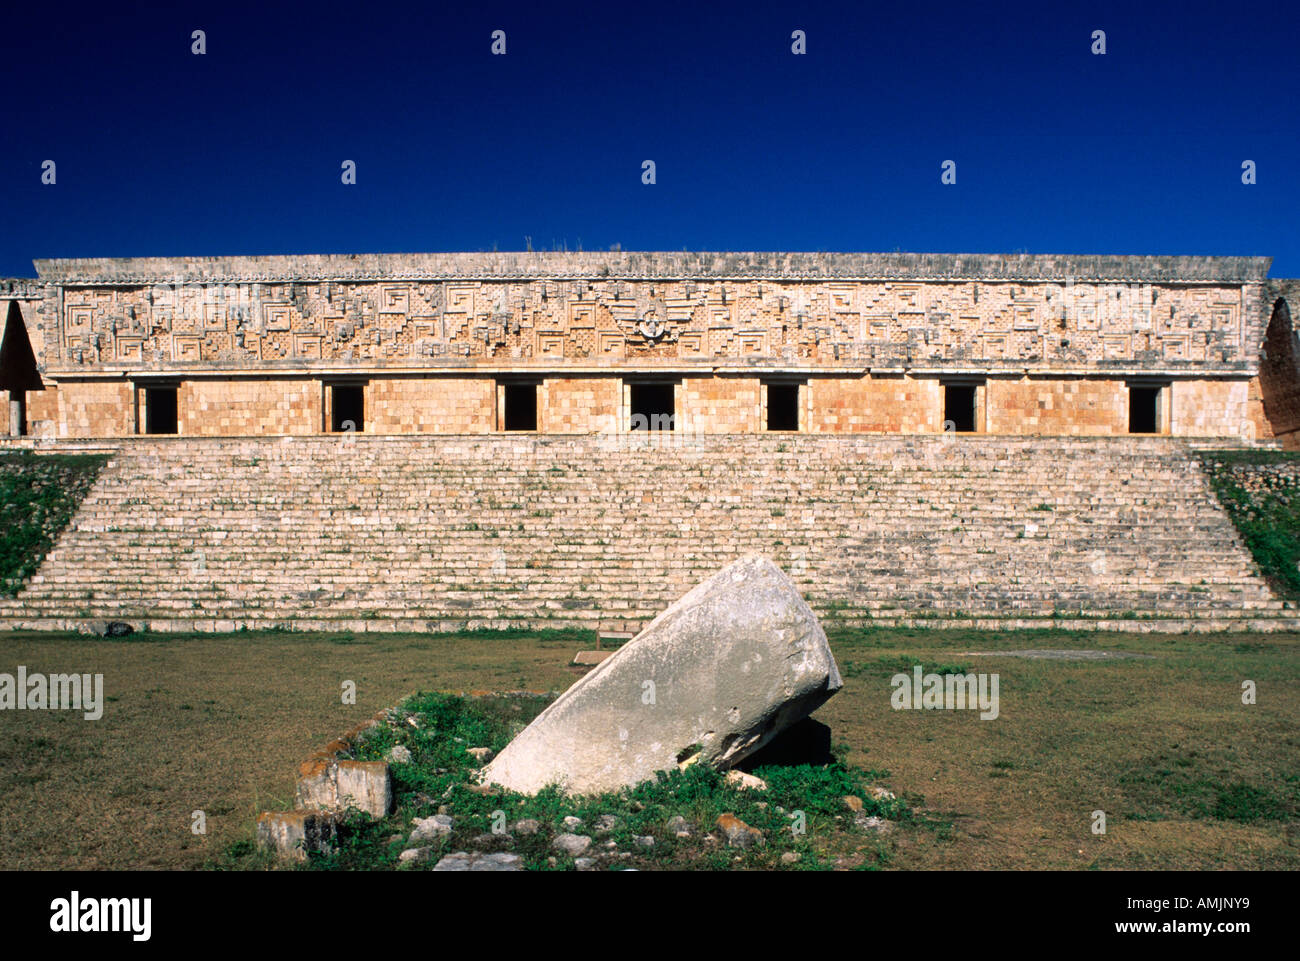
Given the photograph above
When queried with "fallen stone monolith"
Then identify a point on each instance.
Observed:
(710, 680)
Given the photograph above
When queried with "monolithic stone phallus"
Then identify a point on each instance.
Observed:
(711, 680)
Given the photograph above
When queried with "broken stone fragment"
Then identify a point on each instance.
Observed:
(294, 834)
(678, 826)
(745, 782)
(398, 754)
(572, 844)
(465, 861)
(415, 855)
(853, 803)
(480, 754)
(329, 785)
(527, 826)
(430, 829)
(711, 679)
(738, 833)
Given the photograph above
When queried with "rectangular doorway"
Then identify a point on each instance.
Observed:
(521, 406)
(160, 410)
(959, 407)
(782, 406)
(347, 408)
(1144, 410)
(653, 407)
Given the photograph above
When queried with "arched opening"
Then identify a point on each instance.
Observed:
(1279, 377)
(18, 373)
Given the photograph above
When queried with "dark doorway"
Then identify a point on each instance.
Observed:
(959, 406)
(160, 410)
(782, 406)
(521, 406)
(1144, 410)
(18, 372)
(1279, 378)
(653, 407)
(348, 408)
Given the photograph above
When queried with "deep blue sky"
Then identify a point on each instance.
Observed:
(1058, 151)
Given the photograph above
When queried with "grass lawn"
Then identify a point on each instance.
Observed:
(1188, 776)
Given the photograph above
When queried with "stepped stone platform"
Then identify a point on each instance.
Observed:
(437, 533)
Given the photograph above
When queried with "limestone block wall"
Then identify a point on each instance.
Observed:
(1209, 408)
(215, 408)
(445, 405)
(578, 405)
(865, 403)
(1079, 407)
(720, 405)
(875, 404)
(43, 412)
(88, 408)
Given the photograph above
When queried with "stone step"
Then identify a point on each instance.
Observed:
(495, 529)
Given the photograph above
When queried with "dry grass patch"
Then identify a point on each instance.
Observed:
(211, 723)
(1187, 775)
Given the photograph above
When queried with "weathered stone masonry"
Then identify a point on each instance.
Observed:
(724, 343)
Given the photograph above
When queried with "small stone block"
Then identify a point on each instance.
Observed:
(590, 658)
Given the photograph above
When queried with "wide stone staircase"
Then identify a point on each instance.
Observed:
(366, 533)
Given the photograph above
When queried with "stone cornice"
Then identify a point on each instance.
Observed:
(649, 266)
(998, 369)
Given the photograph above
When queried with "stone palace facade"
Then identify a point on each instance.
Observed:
(711, 343)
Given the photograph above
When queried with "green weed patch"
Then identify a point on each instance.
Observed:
(1260, 490)
(39, 493)
(803, 809)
